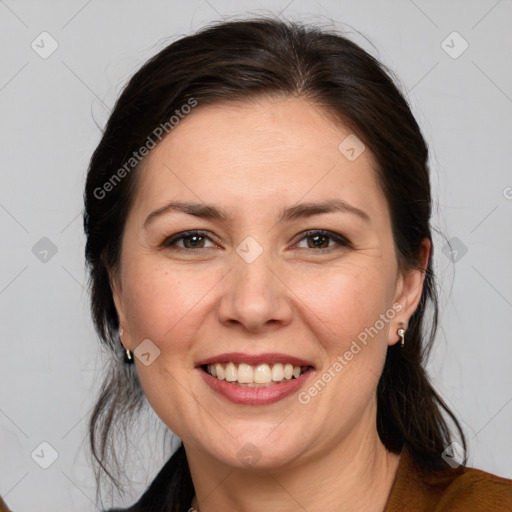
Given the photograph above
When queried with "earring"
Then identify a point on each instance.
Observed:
(401, 333)
(128, 358)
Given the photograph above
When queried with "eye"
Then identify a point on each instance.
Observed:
(315, 239)
(320, 239)
(189, 239)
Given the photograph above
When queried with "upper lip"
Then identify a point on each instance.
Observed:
(255, 359)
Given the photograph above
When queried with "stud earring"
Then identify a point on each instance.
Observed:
(128, 358)
(401, 333)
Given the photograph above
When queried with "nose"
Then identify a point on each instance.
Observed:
(255, 296)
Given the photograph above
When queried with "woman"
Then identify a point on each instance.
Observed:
(257, 220)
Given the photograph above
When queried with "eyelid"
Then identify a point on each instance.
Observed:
(171, 240)
(340, 240)
(336, 237)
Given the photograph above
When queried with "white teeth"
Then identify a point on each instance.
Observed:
(245, 373)
(219, 371)
(262, 374)
(278, 372)
(230, 372)
(248, 375)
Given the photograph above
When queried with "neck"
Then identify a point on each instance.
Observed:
(353, 476)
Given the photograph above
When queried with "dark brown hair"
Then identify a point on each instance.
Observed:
(241, 61)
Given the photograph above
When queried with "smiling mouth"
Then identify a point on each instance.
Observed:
(259, 375)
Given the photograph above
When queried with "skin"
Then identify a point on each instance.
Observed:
(252, 160)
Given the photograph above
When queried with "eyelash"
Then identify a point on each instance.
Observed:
(340, 240)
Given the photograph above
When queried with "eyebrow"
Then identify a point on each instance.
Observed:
(301, 210)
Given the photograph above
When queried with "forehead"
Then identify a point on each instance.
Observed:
(262, 152)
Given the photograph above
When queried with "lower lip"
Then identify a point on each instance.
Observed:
(254, 396)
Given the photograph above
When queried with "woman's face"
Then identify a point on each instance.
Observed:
(254, 291)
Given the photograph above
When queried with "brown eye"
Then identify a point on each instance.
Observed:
(320, 239)
(189, 240)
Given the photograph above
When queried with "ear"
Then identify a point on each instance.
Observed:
(117, 296)
(409, 288)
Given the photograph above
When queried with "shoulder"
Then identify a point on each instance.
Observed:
(461, 489)
(3, 506)
(172, 485)
(474, 489)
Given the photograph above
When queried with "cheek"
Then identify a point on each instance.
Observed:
(346, 301)
(162, 304)
(352, 315)
(167, 307)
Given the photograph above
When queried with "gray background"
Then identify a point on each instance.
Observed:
(49, 108)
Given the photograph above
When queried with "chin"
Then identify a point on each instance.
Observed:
(252, 453)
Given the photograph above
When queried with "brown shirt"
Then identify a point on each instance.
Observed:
(3, 506)
(450, 490)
